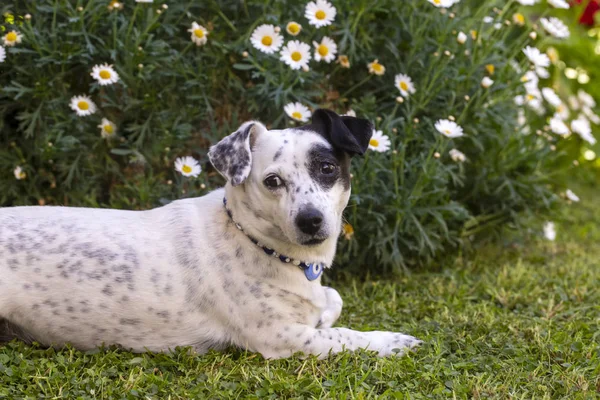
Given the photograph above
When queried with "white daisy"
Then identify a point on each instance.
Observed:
(442, 3)
(107, 128)
(571, 196)
(549, 231)
(19, 173)
(104, 74)
(581, 126)
(144, 1)
(199, 34)
(558, 126)
(266, 39)
(593, 117)
(325, 50)
(558, 4)
(527, 2)
(551, 97)
(376, 68)
(83, 105)
(530, 81)
(12, 38)
(486, 82)
(457, 155)
(563, 111)
(188, 166)
(448, 128)
(586, 99)
(320, 13)
(379, 142)
(542, 73)
(293, 28)
(555, 27)
(405, 85)
(461, 37)
(536, 57)
(536, 105)
(574, 102)
(297, 111)
(488, 20)
(296, 54)
(2, 54)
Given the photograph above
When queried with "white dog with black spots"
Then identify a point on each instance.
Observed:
(240, 266)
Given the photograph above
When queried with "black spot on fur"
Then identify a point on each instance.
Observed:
(278, 153)
(318, 156)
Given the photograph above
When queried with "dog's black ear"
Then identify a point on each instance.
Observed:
(346, 133)
(232, 156)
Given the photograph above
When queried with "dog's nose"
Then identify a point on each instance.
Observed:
(309, 220)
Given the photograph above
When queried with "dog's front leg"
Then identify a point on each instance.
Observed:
(332, 310)
(280, 343)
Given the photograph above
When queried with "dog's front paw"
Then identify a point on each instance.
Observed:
(332, 310)
(397, 344)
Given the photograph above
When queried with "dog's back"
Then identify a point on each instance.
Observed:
(85, 276)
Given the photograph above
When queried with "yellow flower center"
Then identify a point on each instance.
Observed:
(530, 97)
(83, 105)
(11, 36)
(377, 67)
(437, 1)
(374, 142)
(320, 14)
(348, 230)
(297, 115)
(104, 74)
(519, 18)
(490, 69)
(296, 56)
(267, 40)
(473, 34)
(293, 28)
(323, 50)
(199, 33)
(108, 129)
(447, 132)
(404, 86)
(187, 169)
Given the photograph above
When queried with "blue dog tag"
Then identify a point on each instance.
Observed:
(313, 271)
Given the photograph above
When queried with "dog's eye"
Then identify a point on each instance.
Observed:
(273, 182)
(327, 168)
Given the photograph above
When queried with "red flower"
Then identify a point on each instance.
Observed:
(587, 18)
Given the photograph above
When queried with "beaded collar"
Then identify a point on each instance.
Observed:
(311, 270)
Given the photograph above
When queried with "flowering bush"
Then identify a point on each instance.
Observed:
(101, 103)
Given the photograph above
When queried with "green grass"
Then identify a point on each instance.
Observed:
(519, 320)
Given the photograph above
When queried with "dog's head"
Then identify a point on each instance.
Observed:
(293, 184)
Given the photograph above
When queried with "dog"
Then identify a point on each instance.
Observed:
(239, 266)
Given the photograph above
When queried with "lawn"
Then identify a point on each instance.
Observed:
(518, 319)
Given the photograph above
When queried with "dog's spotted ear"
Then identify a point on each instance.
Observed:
(232, 156)
(346, 133)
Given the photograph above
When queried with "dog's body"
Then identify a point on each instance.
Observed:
(185, 274)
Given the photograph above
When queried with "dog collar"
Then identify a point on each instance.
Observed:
(311, 270)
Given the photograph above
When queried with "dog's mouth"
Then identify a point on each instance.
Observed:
(313, 241)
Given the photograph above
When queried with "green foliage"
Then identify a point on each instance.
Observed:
(410, 204)
(518, 321)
